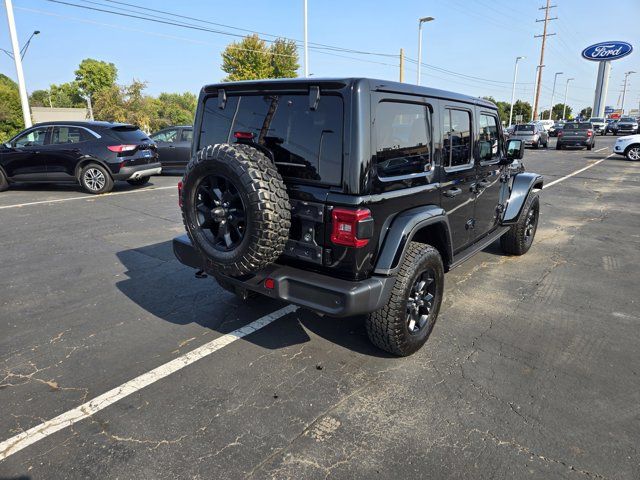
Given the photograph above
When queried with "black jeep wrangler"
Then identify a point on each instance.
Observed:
(350, 196)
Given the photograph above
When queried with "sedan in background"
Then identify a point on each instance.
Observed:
(532, 134)
(93, 154)
(174, 147)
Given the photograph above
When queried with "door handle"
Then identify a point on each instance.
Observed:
(452, 192)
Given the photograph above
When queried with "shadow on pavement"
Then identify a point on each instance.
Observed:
(162, 286)
(118, 186)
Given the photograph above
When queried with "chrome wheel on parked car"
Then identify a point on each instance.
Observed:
(633, 153)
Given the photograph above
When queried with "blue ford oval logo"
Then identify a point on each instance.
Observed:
(607, 51)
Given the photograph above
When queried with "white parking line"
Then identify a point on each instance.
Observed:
(562, 179)
(600, 149)
(87, 197)
(31, 436)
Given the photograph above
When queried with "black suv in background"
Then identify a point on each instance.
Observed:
(93, 154)
(174, 147)
(351, 196)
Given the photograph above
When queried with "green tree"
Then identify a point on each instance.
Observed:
(251, 59)
(284, 59)
(521, 108)
(39, 98)
(126, 104)
(172, 109)
(92, 76)
(66, 95)
(558, 108)
(586, 112)
(11, 121)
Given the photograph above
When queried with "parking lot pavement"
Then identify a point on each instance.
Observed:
(532, 370)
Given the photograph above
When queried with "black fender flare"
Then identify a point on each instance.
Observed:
(521, 185)
(402, 230)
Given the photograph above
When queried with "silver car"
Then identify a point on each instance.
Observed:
(532, 134)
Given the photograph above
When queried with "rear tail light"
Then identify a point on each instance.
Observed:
(589, 133)
(351, 228)
(180, 193)
(122, 148)
(269, 283)
(243, 135)
(560, 133)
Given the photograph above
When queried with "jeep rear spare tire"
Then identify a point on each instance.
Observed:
(235, 208)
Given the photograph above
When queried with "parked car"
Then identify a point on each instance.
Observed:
(553, 131)
(93, 154)
(532, 134)
(546, 124)
(174, 147)
(599, 125)
(328, 194)
(626, 126)
(612, 126)
(576, 134)
(629, 146)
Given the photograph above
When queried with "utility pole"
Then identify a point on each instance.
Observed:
(306, 45)
(401, 65)
(17, 58)
(535, 91)
(544, 41)
(624, 89)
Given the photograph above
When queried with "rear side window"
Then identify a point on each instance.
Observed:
(457, 137)
(488, 138)
(168, 136)
(130, 134)
(65, 135)
(403, 139)
(186, 136)
(525, 128)
(306, 144)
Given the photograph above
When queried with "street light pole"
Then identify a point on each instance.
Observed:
(624, 89)
(306, 46)
(513, 89)
(420, 22)
(24, 100)
(535, 92)
(23, 50)
(564, 104)
(553, 92)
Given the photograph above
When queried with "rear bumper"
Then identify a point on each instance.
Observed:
(321, 293)
(138, 171)
(575, 143)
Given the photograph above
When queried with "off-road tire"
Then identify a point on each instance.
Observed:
(589, 147)
(264, 196)
(387, 328)
(138, 182)
(4, 183)
(515, 241)
(558, 146)
(108, 181)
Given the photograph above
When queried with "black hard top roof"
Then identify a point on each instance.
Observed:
(87, 124)
(337, 83)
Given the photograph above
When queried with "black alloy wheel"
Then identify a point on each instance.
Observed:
(220, 212)
(420, 302)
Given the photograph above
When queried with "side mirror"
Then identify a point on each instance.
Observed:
(515, 150)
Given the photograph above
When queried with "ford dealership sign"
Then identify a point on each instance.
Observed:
(607, 51)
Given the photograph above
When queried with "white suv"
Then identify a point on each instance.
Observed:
(628, 146)
(599, 125)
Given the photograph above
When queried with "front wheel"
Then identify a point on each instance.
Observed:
(633, 153)
(95, 179)
(137, 182)
(519, 238)
(404, 324)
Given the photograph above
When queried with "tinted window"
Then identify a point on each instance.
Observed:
(64, 135)
(169, 136)
(457, 137)
(129, 134)
(577, 126)
(186, 136)
(403, 134)
(599, 120)
(34, 137)
(627, 119)
(306, 144)
(488, 138)
(525, 128)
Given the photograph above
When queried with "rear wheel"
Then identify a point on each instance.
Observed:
(589, 147)
(4, 183)
(404, 324)
(136, 182)
(95, 179)
(633, 153)
(558, 146)
(519, 238)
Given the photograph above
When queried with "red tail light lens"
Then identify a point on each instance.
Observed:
(122, 148)
(351, 228)
(180, 193)
(243, 135)
(560, 133)
(589, 133)
(269, 283)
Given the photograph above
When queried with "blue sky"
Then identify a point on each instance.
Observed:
(479, 38)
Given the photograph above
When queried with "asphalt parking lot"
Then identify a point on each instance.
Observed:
(533, 370)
